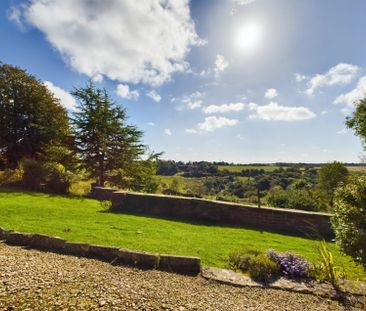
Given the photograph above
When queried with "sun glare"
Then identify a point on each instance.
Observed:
(248, 36)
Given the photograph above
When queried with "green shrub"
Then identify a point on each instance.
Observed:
(241, 260)
(295, 199)
(349, 221)
(257, 264)
(11, 177)
(33, 174)
(58, 180)
(262, 268)
(326, 270)
(106, 205)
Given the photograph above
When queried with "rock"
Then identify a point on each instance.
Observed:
(143, 260)
(180, 264)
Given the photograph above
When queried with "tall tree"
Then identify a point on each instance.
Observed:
(30, 116)
(358, 121)
(330, 175)
(103, 139)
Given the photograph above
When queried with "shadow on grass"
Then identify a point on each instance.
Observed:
(198, 222)
(18, 192)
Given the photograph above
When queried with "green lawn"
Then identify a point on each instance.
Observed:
(78, 219)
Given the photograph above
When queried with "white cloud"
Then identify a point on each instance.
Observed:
(300, 77)
(168, 132)
(65, 97)
(15, 15)
(192, 101)
(340, 74)
(223, 108)
(150, 123)
(351, 98)
(271, 93)
(123, 90)
(342, 132)
(154, 96)
(276, 112)
(212, 123)
(220, 64)
(125, 40)
(243, 2)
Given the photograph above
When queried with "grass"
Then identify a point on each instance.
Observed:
(83, 220)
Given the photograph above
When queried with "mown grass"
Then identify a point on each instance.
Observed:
(84, 220)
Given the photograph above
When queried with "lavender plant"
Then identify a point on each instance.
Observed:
(291, 265)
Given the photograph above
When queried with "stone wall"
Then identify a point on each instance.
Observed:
(143, 260)
(293, 222)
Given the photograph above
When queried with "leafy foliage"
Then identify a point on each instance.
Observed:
(295, 199)
(330, 176)
(257, 264)
(262, 268)
(104, 141)
(327, 270)
(349, 221)
(30, 116)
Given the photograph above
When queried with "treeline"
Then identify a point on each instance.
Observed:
(42, 147)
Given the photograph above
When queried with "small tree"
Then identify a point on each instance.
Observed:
(104, 141)
(349, 220)
(330, 176)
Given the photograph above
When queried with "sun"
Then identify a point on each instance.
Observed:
(248, 36)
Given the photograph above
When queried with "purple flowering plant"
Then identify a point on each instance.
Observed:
(291, 265)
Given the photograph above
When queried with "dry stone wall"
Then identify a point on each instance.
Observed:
(293, 222)
(143, 260)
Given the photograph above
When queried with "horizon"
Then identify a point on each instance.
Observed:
(238, 81)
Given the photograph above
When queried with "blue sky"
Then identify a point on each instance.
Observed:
(236, 80)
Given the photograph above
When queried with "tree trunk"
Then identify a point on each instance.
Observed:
(101, 171)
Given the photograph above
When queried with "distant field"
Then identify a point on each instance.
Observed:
(271, 168)
(239, 168)
(84, 220)
(357, 169)
(184, 182)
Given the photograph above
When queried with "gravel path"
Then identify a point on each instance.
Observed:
(33, 280)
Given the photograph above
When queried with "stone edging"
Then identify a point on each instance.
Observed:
(356, 289)
(143, 260)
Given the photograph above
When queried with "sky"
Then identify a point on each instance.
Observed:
(243, 81)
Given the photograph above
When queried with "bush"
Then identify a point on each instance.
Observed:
(262, 268)
(11, 177)
(58, 180)
(295, 199)
(33, 174)
(349, 221)
(292, 265)
(257, 264)
(326, 270)
(241, 260)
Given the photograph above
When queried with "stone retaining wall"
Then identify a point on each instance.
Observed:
(176, 264)
(293, 222)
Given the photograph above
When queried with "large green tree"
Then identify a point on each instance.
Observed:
(105, 142)
(330, 175)
(31, 118)
(358, 121)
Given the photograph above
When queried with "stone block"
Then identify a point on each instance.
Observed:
(77, 249)
(103, 252)
(45, 242)
(138, 259)
(17, 238)
(180, 264)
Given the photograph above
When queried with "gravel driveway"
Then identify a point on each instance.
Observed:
(33, 280)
